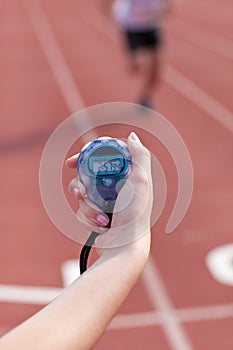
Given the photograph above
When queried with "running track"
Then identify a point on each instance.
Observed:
(54, 57)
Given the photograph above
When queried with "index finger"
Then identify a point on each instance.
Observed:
(72, 161)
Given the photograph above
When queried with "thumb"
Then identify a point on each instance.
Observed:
(139, 153)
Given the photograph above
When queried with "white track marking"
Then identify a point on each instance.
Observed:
(69, 271)
(205, 313)
(28, 294)
(198, 96)
(193, 314)
(212, 42)
(44, 295)
(159, 297)
(178, 81)
(220, 264)
(54, 55)
(136, 320)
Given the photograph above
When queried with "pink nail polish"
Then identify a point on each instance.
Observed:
(102, 219)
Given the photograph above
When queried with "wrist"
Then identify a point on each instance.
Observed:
(140, 249)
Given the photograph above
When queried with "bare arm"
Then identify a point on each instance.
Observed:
(78, 317)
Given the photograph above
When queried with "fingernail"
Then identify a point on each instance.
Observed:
(103, 220)
(103, 229)
(134, 137)
(75, 191)
(71, 158)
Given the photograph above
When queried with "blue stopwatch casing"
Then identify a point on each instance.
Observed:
(103, 167)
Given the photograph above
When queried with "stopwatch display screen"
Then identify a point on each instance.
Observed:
(108, 165)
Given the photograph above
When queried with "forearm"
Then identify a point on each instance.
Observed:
(108, 283)
(79, 316)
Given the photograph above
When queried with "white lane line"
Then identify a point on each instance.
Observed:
(136, 320)
(221, 46)
(198, 96)
(159, 297)
(193, 314)
(54, 55)
(219, 261)
(44, 295)
(58, 65)
(69, 271)
(176, 79)
(205, 313)
(28, 294)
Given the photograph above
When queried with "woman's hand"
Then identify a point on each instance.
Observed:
(131, 217)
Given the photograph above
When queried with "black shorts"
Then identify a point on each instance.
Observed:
(150, 39)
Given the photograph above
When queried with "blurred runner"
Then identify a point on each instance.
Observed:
(140, 22)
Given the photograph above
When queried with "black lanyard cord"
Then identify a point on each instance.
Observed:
(87, 247)
(86, 250)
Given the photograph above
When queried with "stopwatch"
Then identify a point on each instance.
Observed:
(103, 167)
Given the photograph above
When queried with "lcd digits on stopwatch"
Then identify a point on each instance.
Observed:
(103, 166)
(111, 165)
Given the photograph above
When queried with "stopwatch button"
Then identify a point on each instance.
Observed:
(108, 182)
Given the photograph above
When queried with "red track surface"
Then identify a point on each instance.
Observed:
(32, 105)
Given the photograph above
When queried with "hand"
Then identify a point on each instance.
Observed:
(76, 319)
(131, 218)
